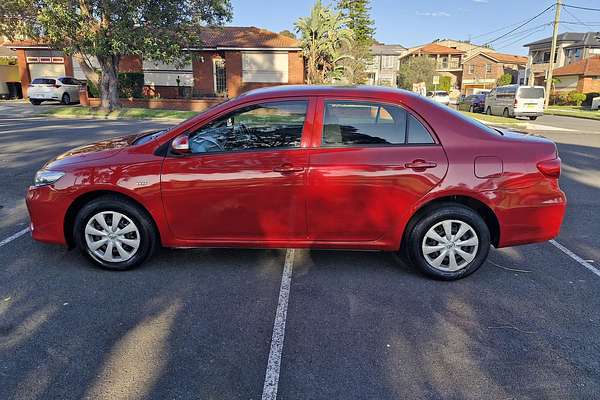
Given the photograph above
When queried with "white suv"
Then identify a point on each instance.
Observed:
(64, 89)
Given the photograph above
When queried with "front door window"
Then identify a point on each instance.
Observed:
(220, 78)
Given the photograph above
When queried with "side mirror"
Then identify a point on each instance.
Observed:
(181, 144)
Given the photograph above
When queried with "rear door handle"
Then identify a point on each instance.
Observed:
(288, 169)
(420, 165)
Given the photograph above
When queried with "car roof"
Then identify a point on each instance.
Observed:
(328, 90)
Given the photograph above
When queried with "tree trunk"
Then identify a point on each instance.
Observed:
(109, 83)
(90, 74)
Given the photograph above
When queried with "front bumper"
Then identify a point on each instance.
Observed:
(47, 210)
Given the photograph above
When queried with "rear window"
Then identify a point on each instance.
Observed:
(531, 92)
(43, 81)
(441, 93)
(348, 123)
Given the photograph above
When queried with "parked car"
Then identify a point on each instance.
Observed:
(439, 96)
(516, 101)
(474, 103)
(306, 166)
(64, 89)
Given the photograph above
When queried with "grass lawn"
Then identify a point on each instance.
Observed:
(573, 111)
(495, 120)
(133, 113)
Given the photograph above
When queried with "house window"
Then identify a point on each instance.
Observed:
(577, 54)
(471, 68)
(157, 73)
(220, 77)
(387, 61)
(488, 68)
(265, 67)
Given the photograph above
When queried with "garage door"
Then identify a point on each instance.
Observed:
(49, 70)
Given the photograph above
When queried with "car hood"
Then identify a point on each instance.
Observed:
(93, 151)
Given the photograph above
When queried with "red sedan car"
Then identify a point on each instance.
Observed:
(307, 166)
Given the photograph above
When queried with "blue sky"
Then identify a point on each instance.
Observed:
(414, 22)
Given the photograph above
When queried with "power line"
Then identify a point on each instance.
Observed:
(577, 19)
(520, 26)
(581, 8)
(539, 29)
(498, 30)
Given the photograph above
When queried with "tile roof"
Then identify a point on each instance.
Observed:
(508, 58)
(587, 67)
(391, 49)
(433, 48)
(581, 38)
(245, 37)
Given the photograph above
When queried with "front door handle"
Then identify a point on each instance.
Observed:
(420, 165)
(288, 169)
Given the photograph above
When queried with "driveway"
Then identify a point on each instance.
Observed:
(218, 323)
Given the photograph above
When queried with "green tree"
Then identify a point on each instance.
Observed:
(358, 19)
(322, 35)
(415, 70)
(287, 33)
(357, 14)
(505, 79)
(109, 29)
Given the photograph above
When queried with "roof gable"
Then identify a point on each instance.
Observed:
(434, 48)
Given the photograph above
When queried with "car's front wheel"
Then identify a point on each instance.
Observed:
(448, 243)
(66, 99)
(488, 111)
(35, 102)
(115, 233)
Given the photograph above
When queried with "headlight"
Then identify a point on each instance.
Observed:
(44, 177)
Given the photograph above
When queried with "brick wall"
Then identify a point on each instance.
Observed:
(589, 84)
(165, 104)
(479, 64)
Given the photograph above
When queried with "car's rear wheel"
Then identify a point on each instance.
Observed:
(115, 233)
(505, 113)
(35, 102)
(533, 118)
(488, 111)
(448, 243)
(471, 109)
(66, 99)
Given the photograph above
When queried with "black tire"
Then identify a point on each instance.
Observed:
(35, 102)
(471, 109)
(488, 111)
(147, 231)
(66, 99)
(505, 113)
(533, 118)
(446, 211)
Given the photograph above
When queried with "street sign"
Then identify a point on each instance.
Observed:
(436, 80)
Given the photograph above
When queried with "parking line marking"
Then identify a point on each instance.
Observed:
(13, 237)
(575, 257)
(274, 363)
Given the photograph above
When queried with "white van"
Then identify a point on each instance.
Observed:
(516, 101)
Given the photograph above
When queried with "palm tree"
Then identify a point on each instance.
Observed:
(322, 36)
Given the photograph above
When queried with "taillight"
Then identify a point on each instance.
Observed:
(550, 168)
(57, 86)
(516, 102)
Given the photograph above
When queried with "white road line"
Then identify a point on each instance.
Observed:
(274, 364)
(13, 237)
(575, 257)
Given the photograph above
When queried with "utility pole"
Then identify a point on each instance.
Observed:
(552, 54)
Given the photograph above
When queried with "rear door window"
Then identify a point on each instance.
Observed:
(348, 123)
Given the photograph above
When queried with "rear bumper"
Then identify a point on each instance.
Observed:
(537, 219)
(529, 113)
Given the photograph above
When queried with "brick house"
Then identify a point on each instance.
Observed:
(582, 76)
(230, 61)
(482, 70)
(448, 60)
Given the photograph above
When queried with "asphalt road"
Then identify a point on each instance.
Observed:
(197, 324)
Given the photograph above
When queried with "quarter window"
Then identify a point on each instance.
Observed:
(260, 126)
(363, 123)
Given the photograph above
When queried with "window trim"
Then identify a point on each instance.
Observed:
(320, 117)
(304, 138)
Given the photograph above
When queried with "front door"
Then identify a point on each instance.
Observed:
(374, 162)
(244, 179)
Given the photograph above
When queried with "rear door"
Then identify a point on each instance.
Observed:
(43, 88)
(530, 99)
(371, 161)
